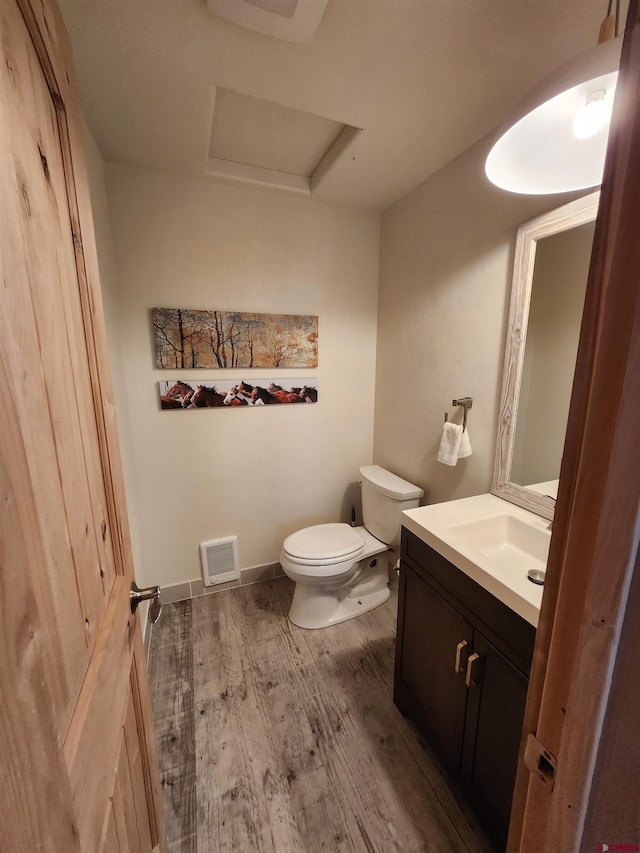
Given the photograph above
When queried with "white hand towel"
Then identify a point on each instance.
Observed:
(464, 449)
(450, 443)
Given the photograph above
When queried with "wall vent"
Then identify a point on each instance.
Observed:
(219, 560)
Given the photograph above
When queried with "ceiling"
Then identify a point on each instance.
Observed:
(421, 80)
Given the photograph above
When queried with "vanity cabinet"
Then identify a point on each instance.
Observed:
(461, 674)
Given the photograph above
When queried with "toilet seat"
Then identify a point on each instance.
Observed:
(323, 544)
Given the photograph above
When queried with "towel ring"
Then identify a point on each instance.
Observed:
(466, 403)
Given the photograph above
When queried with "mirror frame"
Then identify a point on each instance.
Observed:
(563, 218)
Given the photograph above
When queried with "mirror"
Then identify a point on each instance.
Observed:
(550, 273)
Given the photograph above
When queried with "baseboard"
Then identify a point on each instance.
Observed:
(195, 588)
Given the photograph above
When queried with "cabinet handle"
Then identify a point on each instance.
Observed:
(470, 681)
(456, 667)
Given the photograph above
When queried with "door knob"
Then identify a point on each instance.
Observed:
(150, 593)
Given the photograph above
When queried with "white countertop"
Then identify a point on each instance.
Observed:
(492, 541)
(548, 488)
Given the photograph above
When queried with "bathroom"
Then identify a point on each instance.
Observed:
(411, 287)
(412, 303)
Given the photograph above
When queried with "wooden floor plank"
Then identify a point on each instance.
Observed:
(393, 804)
(257, 720)
(174, 627)
(187, 844)
(357, 658)
(284, 677)
(230, 813)
(179, 797)
(171, 662)
(230, 807)
(217, 644)
(172, 690)
(296, 745)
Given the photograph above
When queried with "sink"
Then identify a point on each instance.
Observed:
(514, 544)
(494, 542)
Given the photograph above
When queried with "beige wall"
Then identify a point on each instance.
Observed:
(445, 277)
(446, 251)
(259, 473)
(110, 301)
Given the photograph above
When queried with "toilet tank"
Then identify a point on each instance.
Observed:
(384, 496)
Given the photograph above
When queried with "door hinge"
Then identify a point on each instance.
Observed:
(540, 761)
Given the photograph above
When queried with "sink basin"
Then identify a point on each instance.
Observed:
(514, 544)
(494, 542)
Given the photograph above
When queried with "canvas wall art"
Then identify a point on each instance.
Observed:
(231, 393)
(189, 339)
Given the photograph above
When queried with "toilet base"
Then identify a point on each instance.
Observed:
(318, 607)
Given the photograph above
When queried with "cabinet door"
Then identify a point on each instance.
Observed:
(492, 736)
(429, 631)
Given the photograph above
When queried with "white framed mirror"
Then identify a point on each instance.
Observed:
(550, 271)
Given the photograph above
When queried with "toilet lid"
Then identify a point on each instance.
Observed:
(324, 543)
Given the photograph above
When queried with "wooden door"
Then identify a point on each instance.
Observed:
(430, 630)
(78, 755)
(583, 701)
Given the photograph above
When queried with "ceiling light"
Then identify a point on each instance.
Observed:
(593, 116)
(556, 139)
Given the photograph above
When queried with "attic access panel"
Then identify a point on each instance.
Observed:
(253, 132)
(289, 20)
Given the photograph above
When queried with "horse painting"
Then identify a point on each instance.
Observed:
(233, 398)
(168, 403)
(233, 394)
(262, 397)
(288, 397)
(204, 397)
(181, 392)
(244, 389)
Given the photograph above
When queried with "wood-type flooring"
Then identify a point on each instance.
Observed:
(273, 738)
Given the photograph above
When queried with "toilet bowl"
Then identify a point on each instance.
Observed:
(342, 571)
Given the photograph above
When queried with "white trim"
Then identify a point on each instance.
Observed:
(241, 173)
(195, 588)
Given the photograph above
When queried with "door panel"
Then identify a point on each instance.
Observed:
(496, 711)
(34, 813)
(110, 843)
(75, 704)
(94, 737)
(35, 349)
(135, 799)
(431, 631)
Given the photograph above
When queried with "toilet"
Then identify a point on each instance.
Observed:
(342, 571)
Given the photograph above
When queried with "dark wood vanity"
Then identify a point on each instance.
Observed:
(461, 674)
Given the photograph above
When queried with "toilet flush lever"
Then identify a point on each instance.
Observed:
(150, 593)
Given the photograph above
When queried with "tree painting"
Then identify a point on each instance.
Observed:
(186, 338)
